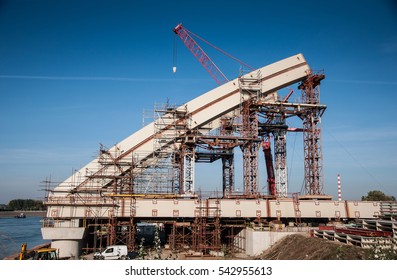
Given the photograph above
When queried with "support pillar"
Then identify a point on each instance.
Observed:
(314, 184)
(250, 149)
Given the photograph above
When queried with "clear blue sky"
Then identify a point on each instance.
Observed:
(74, 74)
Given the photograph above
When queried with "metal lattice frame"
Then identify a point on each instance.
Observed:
(250, 150)
(250, 88)
(206, 228)
(313, 160)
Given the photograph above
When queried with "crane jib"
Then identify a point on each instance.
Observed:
(200, 55)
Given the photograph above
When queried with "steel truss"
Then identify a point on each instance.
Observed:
(206, 228)
(313, 158)
(250, 88)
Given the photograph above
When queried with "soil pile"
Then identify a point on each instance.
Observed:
(299, 247)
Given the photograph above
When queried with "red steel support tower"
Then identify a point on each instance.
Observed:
(314, 184)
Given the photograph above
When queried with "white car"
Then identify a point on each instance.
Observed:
(114, 252)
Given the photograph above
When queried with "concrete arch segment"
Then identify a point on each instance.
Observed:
(201, 111)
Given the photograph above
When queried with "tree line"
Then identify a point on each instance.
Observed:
(24, 205)
(377, 195)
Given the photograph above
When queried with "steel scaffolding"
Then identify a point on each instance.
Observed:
(168, 168)
(250, 88)
(313, 158)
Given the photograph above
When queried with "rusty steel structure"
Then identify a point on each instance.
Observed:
(314, 184)
(149, 177)
(249, 131)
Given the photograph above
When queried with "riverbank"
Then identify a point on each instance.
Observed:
(10, 214)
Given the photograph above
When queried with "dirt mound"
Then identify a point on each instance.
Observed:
(299, 247)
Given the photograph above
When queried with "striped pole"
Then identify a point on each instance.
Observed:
(339, 189)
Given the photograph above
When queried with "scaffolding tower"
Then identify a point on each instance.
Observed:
(313, 159)
(250, 90)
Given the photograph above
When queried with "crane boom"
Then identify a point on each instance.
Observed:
(201, 56)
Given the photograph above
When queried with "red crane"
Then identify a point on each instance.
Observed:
(271, 180)
(187, 38)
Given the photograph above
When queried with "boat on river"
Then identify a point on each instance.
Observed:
(20, 216)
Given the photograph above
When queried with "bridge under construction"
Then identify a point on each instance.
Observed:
(149, 177)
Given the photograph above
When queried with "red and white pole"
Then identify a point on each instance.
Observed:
(339, 189)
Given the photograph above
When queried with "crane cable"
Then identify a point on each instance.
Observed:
(208, 43)
(220, 50)
(174, 58)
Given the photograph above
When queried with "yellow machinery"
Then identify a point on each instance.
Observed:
(45, 254)
(39, 254)
(23, 251)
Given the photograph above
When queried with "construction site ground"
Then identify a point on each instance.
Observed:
(292, 247)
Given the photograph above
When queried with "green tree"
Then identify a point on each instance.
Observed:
(25, 205)
(377, 195)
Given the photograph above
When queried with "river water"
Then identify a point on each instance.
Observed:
(14, 232)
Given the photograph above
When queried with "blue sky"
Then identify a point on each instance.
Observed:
(74, 74)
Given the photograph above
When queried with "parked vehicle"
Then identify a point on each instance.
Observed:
(114, 252)
(45, 254)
